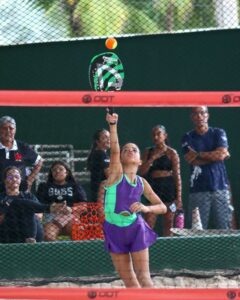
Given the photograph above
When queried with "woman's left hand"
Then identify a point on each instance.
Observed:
(138, 207)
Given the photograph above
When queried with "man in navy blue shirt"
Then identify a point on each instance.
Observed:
(205, 149)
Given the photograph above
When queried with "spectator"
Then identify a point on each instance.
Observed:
(60, 186)
(19, 154)
(205, 149)
(161, 167)
(17, 210)
(98, 162)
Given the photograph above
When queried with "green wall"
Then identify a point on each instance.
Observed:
(66, 260)
(189, 61)
(77, 125)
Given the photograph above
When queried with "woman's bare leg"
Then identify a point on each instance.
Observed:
(141, 267)
(51, 231)
(68, 228)
(123, 265)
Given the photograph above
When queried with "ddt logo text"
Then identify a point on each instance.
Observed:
(98, 99)
(102, 294)
(230, 98)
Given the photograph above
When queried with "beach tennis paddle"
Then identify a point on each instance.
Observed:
(106, 72)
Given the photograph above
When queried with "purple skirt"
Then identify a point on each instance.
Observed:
(135, 237)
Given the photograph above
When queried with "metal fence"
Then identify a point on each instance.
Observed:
(197, 246)
(34, 21)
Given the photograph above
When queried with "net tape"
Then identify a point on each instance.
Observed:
(119, 99)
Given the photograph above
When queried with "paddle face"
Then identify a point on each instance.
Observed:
(106, 72)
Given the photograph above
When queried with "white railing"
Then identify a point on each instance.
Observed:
(75, 158)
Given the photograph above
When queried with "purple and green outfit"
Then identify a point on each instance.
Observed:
(125, 231)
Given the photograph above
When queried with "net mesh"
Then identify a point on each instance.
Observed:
(200, 250)
(198, 242)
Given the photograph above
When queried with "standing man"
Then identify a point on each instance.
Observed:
(205, 149)
(17, 153)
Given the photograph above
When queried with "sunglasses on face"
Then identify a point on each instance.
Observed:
(11, 177)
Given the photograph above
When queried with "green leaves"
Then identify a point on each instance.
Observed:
(23, 21)
(99, 18)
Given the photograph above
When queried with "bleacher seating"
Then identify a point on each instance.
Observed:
(75, 158)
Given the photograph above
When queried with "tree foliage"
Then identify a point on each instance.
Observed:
(38, 20)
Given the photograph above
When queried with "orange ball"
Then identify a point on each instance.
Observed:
(111, 43)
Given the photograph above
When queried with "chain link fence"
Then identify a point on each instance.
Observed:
(202, 245)
(68, 245)
(34, 21)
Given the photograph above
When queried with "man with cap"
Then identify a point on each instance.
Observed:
(17, 153)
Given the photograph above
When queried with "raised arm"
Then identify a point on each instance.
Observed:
(115, 166)
(35, 171)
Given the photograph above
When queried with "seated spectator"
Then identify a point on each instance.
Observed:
(17, 210)
(98, 162)
(16, 153)
(60, 186)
